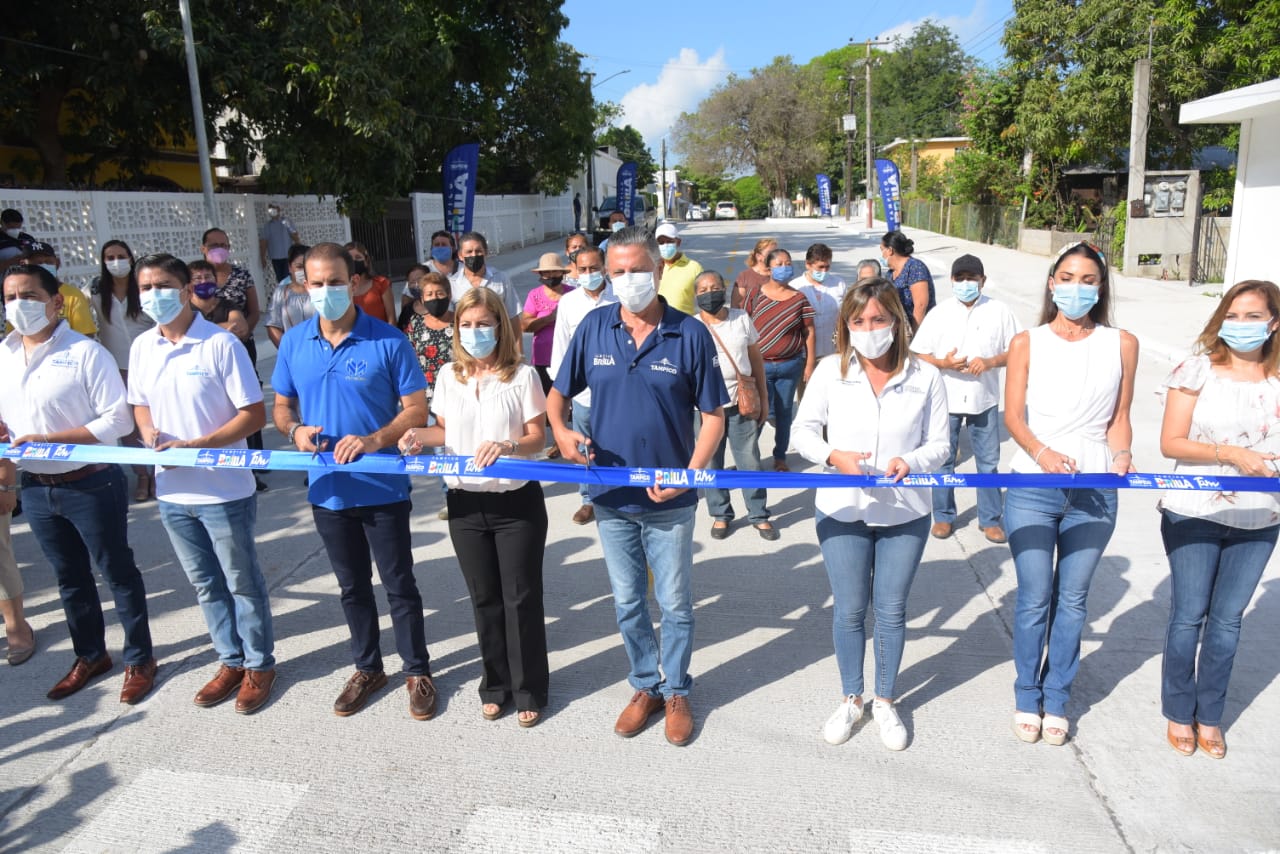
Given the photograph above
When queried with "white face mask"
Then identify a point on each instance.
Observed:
(273, 212)
(13, 232)
(119, 267)
(27, 316)
(871, 344)
(634, 290)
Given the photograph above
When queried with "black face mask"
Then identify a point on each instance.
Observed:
(711, 302)
(551, 281)
(474, 263)
(573, 256)
(436, 307)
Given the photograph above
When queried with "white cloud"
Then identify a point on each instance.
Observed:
(965, 28)
(652, 108)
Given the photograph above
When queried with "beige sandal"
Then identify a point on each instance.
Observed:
(1026, 719)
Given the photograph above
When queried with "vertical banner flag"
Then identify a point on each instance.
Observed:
(890, 193)
(458, 175)
(824, 195)
(627, 190)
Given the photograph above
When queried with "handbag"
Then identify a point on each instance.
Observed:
(748, 394)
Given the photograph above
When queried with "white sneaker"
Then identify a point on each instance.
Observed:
(892, 732)
(840, 725)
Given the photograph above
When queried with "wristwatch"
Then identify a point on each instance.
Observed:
(293, 431)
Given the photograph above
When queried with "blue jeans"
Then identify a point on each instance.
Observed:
(582, 424)
(984, 438)
(781, 380)
(1215, 569)
(82, 521)
(661, 540)
(215, 545)
(870, 565)
(1051, 606)
(742, 436)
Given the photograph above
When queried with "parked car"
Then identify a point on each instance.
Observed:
(726, 210)
(695, 213)
(644, 214)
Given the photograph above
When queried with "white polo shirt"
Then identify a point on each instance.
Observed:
(486, 410)
(982, 330)
(574, 306)
(494, 280)
(825, 299)
(69, 381)
(193, 387)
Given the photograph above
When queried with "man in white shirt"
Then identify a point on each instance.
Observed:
(825, 293)
(192, 385)
(592, 292)
(967, 337)
(57, 386)
(474, 272)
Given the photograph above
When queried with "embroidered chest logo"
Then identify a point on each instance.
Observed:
(605, 360)
(356, 369)
(666, 366)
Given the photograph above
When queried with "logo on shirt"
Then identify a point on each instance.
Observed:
(260, 459)
(199, 371)
(1173, 482)
(356, 369)
(603, 360)
(442, 467)
(665, 365)
(64, 360)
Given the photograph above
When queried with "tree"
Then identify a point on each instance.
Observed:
(917, 86)
(751, 198)
(706, 188)
(630, 146)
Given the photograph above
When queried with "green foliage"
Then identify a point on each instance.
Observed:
(751, 197)
(706, 188)
(917, 86)
(930, 175)
(630, 145)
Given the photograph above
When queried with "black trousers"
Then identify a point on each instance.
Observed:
(499, 538)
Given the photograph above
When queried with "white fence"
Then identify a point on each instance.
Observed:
(507, 222)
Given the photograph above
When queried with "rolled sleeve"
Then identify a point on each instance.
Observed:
(107, 396)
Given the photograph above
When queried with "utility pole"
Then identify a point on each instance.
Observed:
(662, 188)
(197, 113)
(850, 124)
(870, 164)
(1138, 139)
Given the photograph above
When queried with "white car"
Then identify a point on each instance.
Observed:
(726, 210)
(695, 212)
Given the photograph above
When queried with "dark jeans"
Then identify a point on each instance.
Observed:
(281, 268)
(348, 535)
(781, 380)
(500, 538)
(82, 521)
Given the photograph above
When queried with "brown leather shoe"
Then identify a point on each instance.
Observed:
(941, 530)
(81, 672)
(422, 697)
(586, 514)
(679, 721)
(357, 691)
(138, 682)
(254, 690)
(636, 715)
(995, 534)
(220, 687)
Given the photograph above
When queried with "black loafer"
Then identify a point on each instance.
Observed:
(767, 531)
(719, 533)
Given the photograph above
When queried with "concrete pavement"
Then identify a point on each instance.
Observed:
(87, 774)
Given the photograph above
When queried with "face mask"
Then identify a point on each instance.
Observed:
(1075, 301)
(13, 232)
(27, 316)
(479, 341)
(668, 250)
(273, 212)
(781, 274)
(591, 281)
(872, 344)
(331, 301)
(634, 290)
(441, 254)
(218, 255)
(711, 302)
(818, 275)
(119, 267)
(474, 263)
(551, 281)
(436, 307)
(205, 290)
(52, 268)
(617, 226)
(1244, 337)
(965, 291)
(162, 304)
(412, 292)
(573, 256)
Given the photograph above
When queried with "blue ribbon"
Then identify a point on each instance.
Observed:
(516, 469)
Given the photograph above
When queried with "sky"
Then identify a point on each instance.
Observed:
(661, 58)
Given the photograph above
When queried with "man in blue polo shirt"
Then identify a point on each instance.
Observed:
(350, 384)
(648, 367)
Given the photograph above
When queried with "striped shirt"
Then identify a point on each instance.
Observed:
(783, 326)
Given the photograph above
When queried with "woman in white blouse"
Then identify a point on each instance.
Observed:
(488, 404)
(884, 413)
(1221, 417)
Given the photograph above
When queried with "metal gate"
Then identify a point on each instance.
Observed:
(390, 239)
(1210, 262)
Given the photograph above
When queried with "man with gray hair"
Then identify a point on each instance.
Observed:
(642, 350)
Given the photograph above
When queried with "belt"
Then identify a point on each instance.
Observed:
(67, 477)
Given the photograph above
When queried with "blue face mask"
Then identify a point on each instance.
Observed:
(331, 301)
(818, 276)
(479, 341)
(782, 274)
(965, 291)
(1075, 301)
(441, 254)
(1244, 336)
(591, 281)
(161, 304)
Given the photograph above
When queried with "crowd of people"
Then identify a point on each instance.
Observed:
(640, 358)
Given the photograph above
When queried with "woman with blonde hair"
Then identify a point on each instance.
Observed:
(872, 408)
(1221, 418)
(489, 404)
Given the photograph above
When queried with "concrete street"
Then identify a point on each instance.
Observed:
(90, 775)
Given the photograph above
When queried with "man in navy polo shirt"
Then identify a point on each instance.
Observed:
(648, 367)
(351, 384)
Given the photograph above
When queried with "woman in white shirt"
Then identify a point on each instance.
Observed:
(885, 413)
(489, 404)
(1068, 388)
(1221, 417)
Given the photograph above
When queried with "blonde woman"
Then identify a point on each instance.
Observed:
(489, 404)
